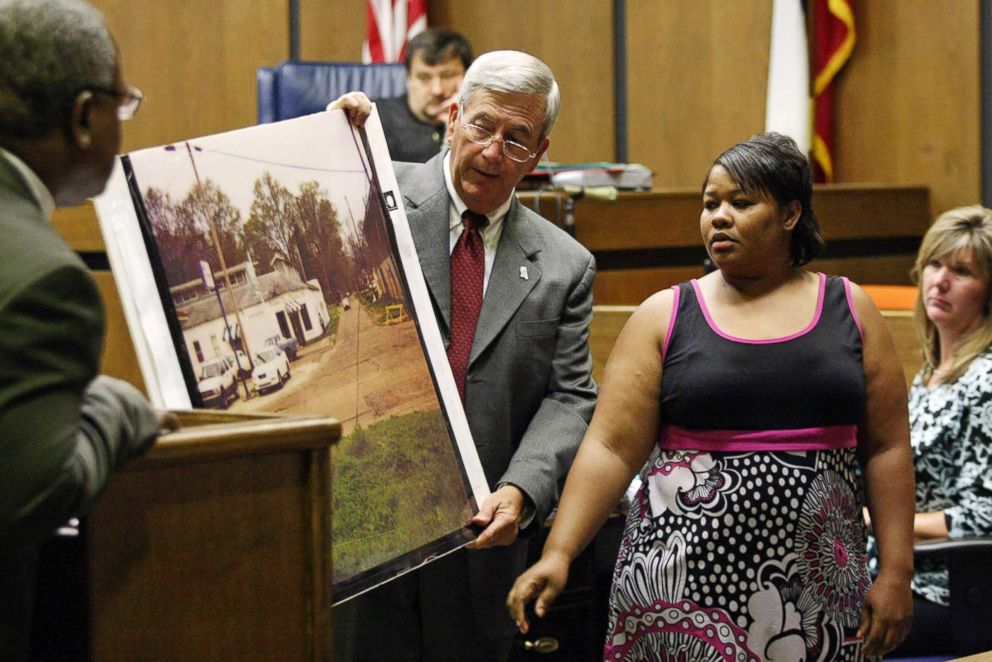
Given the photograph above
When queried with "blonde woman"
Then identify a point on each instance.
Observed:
(950, 406)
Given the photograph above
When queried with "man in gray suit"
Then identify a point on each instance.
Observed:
(525, 377)
(63, 430)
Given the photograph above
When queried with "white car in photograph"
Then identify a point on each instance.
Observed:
(217, 382)
(271, 370)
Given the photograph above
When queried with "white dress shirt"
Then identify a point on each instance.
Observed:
(490, 234)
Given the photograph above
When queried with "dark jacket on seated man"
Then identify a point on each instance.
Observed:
(408, 138)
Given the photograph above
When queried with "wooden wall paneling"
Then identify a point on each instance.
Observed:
(575, 39)
(670, 217)
(607, 322)
(909, 99)
(625, 287)
(660, 218)
(332, 31)
(195, 61)
(79, 227)
(697, 74)
(889, 211)
(884, 269)
(900, 323)
(630, 287)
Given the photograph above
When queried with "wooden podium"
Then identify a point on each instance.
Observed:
(217, 545)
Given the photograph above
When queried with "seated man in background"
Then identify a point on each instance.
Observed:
(63, 429)
(414, 124)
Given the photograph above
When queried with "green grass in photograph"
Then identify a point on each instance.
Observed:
(396, 488)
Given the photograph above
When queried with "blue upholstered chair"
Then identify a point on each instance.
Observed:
(296, 88)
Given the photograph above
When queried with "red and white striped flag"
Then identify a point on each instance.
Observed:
(391, 24)
(833, 42)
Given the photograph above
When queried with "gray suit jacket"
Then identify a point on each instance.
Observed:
(529, 390)
(61, 432)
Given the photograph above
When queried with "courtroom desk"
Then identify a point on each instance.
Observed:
(216, 545)
(647, 241)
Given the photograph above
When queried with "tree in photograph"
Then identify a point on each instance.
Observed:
(272, 228)
(181, 243)
(320, 241)
(210, 208)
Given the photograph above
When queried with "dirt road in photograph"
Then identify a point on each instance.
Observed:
(363, 373)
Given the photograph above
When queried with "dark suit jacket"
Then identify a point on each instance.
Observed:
(407, 138)
(61, 432)
(529, 390)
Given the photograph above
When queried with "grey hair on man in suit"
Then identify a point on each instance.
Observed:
(49, 51)
(514, 72)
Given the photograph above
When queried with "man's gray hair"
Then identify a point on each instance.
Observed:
(50, 50)
(514, 72)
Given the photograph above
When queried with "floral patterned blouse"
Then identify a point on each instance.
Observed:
(951, 433)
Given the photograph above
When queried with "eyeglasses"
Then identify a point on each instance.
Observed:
(481, 136)
(130, 99)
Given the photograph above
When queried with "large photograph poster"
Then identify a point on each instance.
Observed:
(271, 270)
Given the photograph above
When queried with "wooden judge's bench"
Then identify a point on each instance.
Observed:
(216, 545)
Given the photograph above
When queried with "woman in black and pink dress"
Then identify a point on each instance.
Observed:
(764, 406)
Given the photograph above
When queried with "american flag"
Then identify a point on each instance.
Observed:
(391, 24)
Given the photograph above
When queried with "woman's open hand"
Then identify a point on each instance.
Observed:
(886, 616)
(543, 581)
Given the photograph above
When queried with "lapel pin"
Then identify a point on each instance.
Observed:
(523, 273)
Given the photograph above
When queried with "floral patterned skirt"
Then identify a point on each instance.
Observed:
(742, 556)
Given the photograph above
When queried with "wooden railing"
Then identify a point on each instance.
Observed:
(647, 241)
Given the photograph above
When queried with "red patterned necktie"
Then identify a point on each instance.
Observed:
(468, 268)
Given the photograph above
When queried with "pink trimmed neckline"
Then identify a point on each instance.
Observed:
(671, 322)
(850, 306)
(763, 341)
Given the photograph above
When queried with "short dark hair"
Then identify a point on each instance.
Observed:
(436, 45)
(772, 163)
(50, 50)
